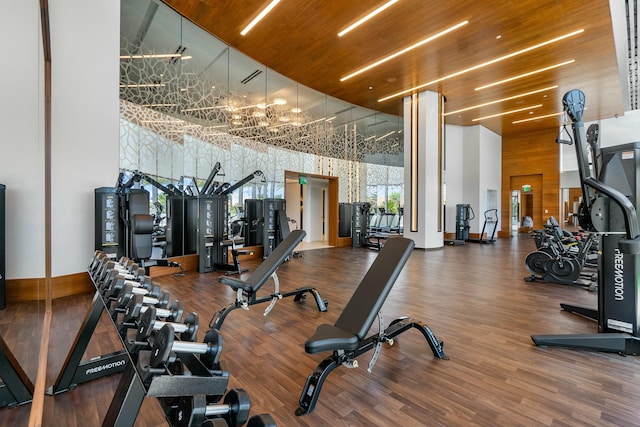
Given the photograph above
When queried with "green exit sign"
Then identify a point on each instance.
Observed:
(302, 179)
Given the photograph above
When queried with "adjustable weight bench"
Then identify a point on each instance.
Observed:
(346, 338)
(247, 290)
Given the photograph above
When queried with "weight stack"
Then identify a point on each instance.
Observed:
(359, 223)
(270, 231)
(344, 220)
(107, 228)
(3, 288)
(254, 217)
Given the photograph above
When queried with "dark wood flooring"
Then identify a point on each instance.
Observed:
(474, 299)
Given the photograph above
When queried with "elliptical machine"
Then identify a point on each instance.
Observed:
(613, 214)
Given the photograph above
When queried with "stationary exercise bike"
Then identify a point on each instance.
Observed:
(550, 265)
(556, 262)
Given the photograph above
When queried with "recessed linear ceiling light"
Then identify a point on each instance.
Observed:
(537, 118)
(507, 112)
(405, 50)
(386, 135)
(484, 64)
(215, 107)
(259, 17)
(521, 95)
(153, 56)
(366, 18)
(130, 85)
(159, 105)
(530, 73)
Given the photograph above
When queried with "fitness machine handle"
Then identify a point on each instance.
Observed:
(573, 103)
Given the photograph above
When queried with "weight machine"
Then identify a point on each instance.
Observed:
(610, 202)
(211, 215)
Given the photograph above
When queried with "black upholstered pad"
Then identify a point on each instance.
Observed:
(236, 283)
(367, 300)
(328, 337)
(268, 266)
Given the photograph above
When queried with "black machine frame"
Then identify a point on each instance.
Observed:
(16, 388)
(612, 213)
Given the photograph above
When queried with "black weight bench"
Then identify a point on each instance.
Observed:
(346, 338)
(247, 289)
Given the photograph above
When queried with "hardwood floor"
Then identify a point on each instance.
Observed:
(473, 297)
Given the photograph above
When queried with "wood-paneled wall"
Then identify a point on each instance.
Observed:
(526, 155)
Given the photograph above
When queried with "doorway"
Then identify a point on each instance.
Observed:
(528, 189)
(515, 212)
(311, 201)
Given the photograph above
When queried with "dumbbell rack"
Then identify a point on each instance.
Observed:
(16, 388)
(138, 380)
(74, 370)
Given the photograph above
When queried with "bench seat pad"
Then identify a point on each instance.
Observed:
(236, 283)
(329, 337)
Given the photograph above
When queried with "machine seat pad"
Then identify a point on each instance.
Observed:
(329, 337)
(236, 283)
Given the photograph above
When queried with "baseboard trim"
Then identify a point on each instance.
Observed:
(21, 290)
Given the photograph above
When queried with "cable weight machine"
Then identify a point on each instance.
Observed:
(611, 212)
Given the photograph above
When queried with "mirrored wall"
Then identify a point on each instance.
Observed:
(188, 101)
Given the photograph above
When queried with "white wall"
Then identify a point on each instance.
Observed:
(613, 131)
(21, 121)
(471, 174)
(85, 40)
(490, 162)
(473, 166)
(454, 154)
(85, 44)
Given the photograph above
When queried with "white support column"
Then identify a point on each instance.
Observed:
(423, 166)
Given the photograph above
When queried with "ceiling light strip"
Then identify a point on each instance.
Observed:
(507, 112)
(386, 135)
(530, 73)
(484, 64)
(366, 18)
(136, 85)
(259, 17)
(405, 50)
(537, 118)
(502, 100)
(152, 56)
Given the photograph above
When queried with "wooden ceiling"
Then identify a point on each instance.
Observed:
(299, 40)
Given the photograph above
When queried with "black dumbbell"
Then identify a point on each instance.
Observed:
(96, 260)
(216, 422)
(193, 410)
(165, 344)
(149, 323)
(155, 296)
(107, 266)
(136, 306)
(116, 281)
(262, 420)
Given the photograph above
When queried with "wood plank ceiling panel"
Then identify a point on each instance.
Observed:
(299, 40)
